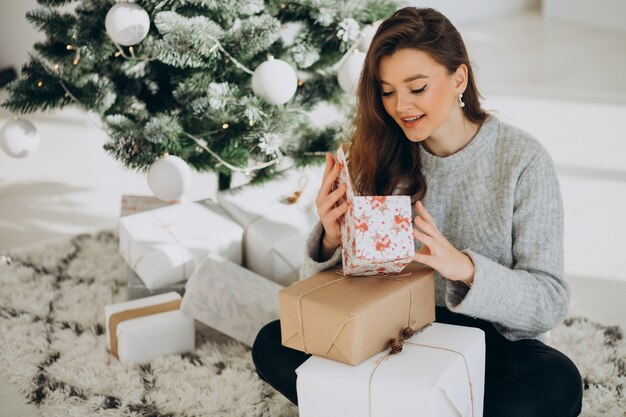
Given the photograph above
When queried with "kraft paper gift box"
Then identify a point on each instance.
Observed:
(163, 245)
(349, 319)
(376, 231)
(138, 330)
(230, 298)
(277, 217)
(439, 373)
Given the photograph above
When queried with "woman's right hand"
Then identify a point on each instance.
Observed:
(327, 209)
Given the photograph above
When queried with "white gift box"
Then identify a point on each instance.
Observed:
(139, 330)
(230, 298)
(164, 245)
(277, 218)
(439, 373)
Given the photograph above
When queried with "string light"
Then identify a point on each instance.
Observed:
(77, 56)
(251, 123)
(39, 83)
(300, 82)
(225, 126)
(116, 54)
(283, 5)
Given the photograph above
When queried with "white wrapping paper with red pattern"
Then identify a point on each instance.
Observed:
(376, 231)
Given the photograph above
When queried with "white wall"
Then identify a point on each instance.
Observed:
(466, 10)
(607, 14)
(17, 35)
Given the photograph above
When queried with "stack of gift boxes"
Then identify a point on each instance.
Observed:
(227, 258)
(368, 325)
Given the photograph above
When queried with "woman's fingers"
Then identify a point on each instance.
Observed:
(327, 184)
(423, 238)
(421, 210)
(426, 227)
(332, 198)
(335, 213)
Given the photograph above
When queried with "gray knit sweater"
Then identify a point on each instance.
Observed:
(498, 201)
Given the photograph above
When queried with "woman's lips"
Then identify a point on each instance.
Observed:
(412, 121)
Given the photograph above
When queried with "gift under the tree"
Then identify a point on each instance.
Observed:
(138, 330)
(132, 204)
(351, 318)
(230, 298)
(164, 245)
(277, 217)
(439, 373)
(376, 231)
(136, 288)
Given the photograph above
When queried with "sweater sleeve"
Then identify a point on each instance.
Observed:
(311, 264)
(531, 297)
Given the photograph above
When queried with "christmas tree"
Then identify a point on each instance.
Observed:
(226, 85)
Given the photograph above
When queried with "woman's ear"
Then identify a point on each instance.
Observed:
(460, 78)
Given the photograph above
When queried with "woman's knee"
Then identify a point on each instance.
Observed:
(266, 341)
(544, 382)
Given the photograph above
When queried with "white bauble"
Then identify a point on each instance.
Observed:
(127, 23)
(19, 138)
(367, 34)
(275, 81)
(169, 178)
(350, 71)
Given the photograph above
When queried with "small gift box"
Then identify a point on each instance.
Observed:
(376, 231)
(163, 245)
(277, 217)
(138, 330)
(439, 373)
(136, 288)
(349, 318)
(230, 298)
(132, 204)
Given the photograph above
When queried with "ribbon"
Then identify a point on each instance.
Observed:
(396, 346)
(116, 318)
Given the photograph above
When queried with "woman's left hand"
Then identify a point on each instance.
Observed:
(437, 252)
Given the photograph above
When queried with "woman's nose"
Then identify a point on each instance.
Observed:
(403, 103)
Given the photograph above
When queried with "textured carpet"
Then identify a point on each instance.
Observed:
(53, 348)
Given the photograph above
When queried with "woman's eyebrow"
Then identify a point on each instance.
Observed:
(408, 79)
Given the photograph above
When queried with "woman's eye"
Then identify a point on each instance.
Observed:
(387, 93)
(419, 91)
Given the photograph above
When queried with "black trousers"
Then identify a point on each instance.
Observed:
(525, 378)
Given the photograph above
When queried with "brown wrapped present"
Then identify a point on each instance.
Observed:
(350, 319)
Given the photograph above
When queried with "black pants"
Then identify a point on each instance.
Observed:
(523, 378)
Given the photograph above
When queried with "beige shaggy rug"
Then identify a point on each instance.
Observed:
(52, 347)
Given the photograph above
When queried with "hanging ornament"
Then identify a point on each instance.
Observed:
(169, 178)
(127, 23)
(367, 34)
(275, 81)
(19, 138)
(350, 71)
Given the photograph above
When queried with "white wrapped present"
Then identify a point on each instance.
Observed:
(164, 245)
(277, 218)
(439, 373)
(138, 330)
(230, 298)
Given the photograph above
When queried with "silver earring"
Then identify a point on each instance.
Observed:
(461, 104)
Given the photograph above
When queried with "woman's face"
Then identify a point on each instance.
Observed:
(417, 92)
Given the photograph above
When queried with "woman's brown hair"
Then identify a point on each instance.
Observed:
(384, 160)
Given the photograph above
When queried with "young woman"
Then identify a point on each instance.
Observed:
(488, 214)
